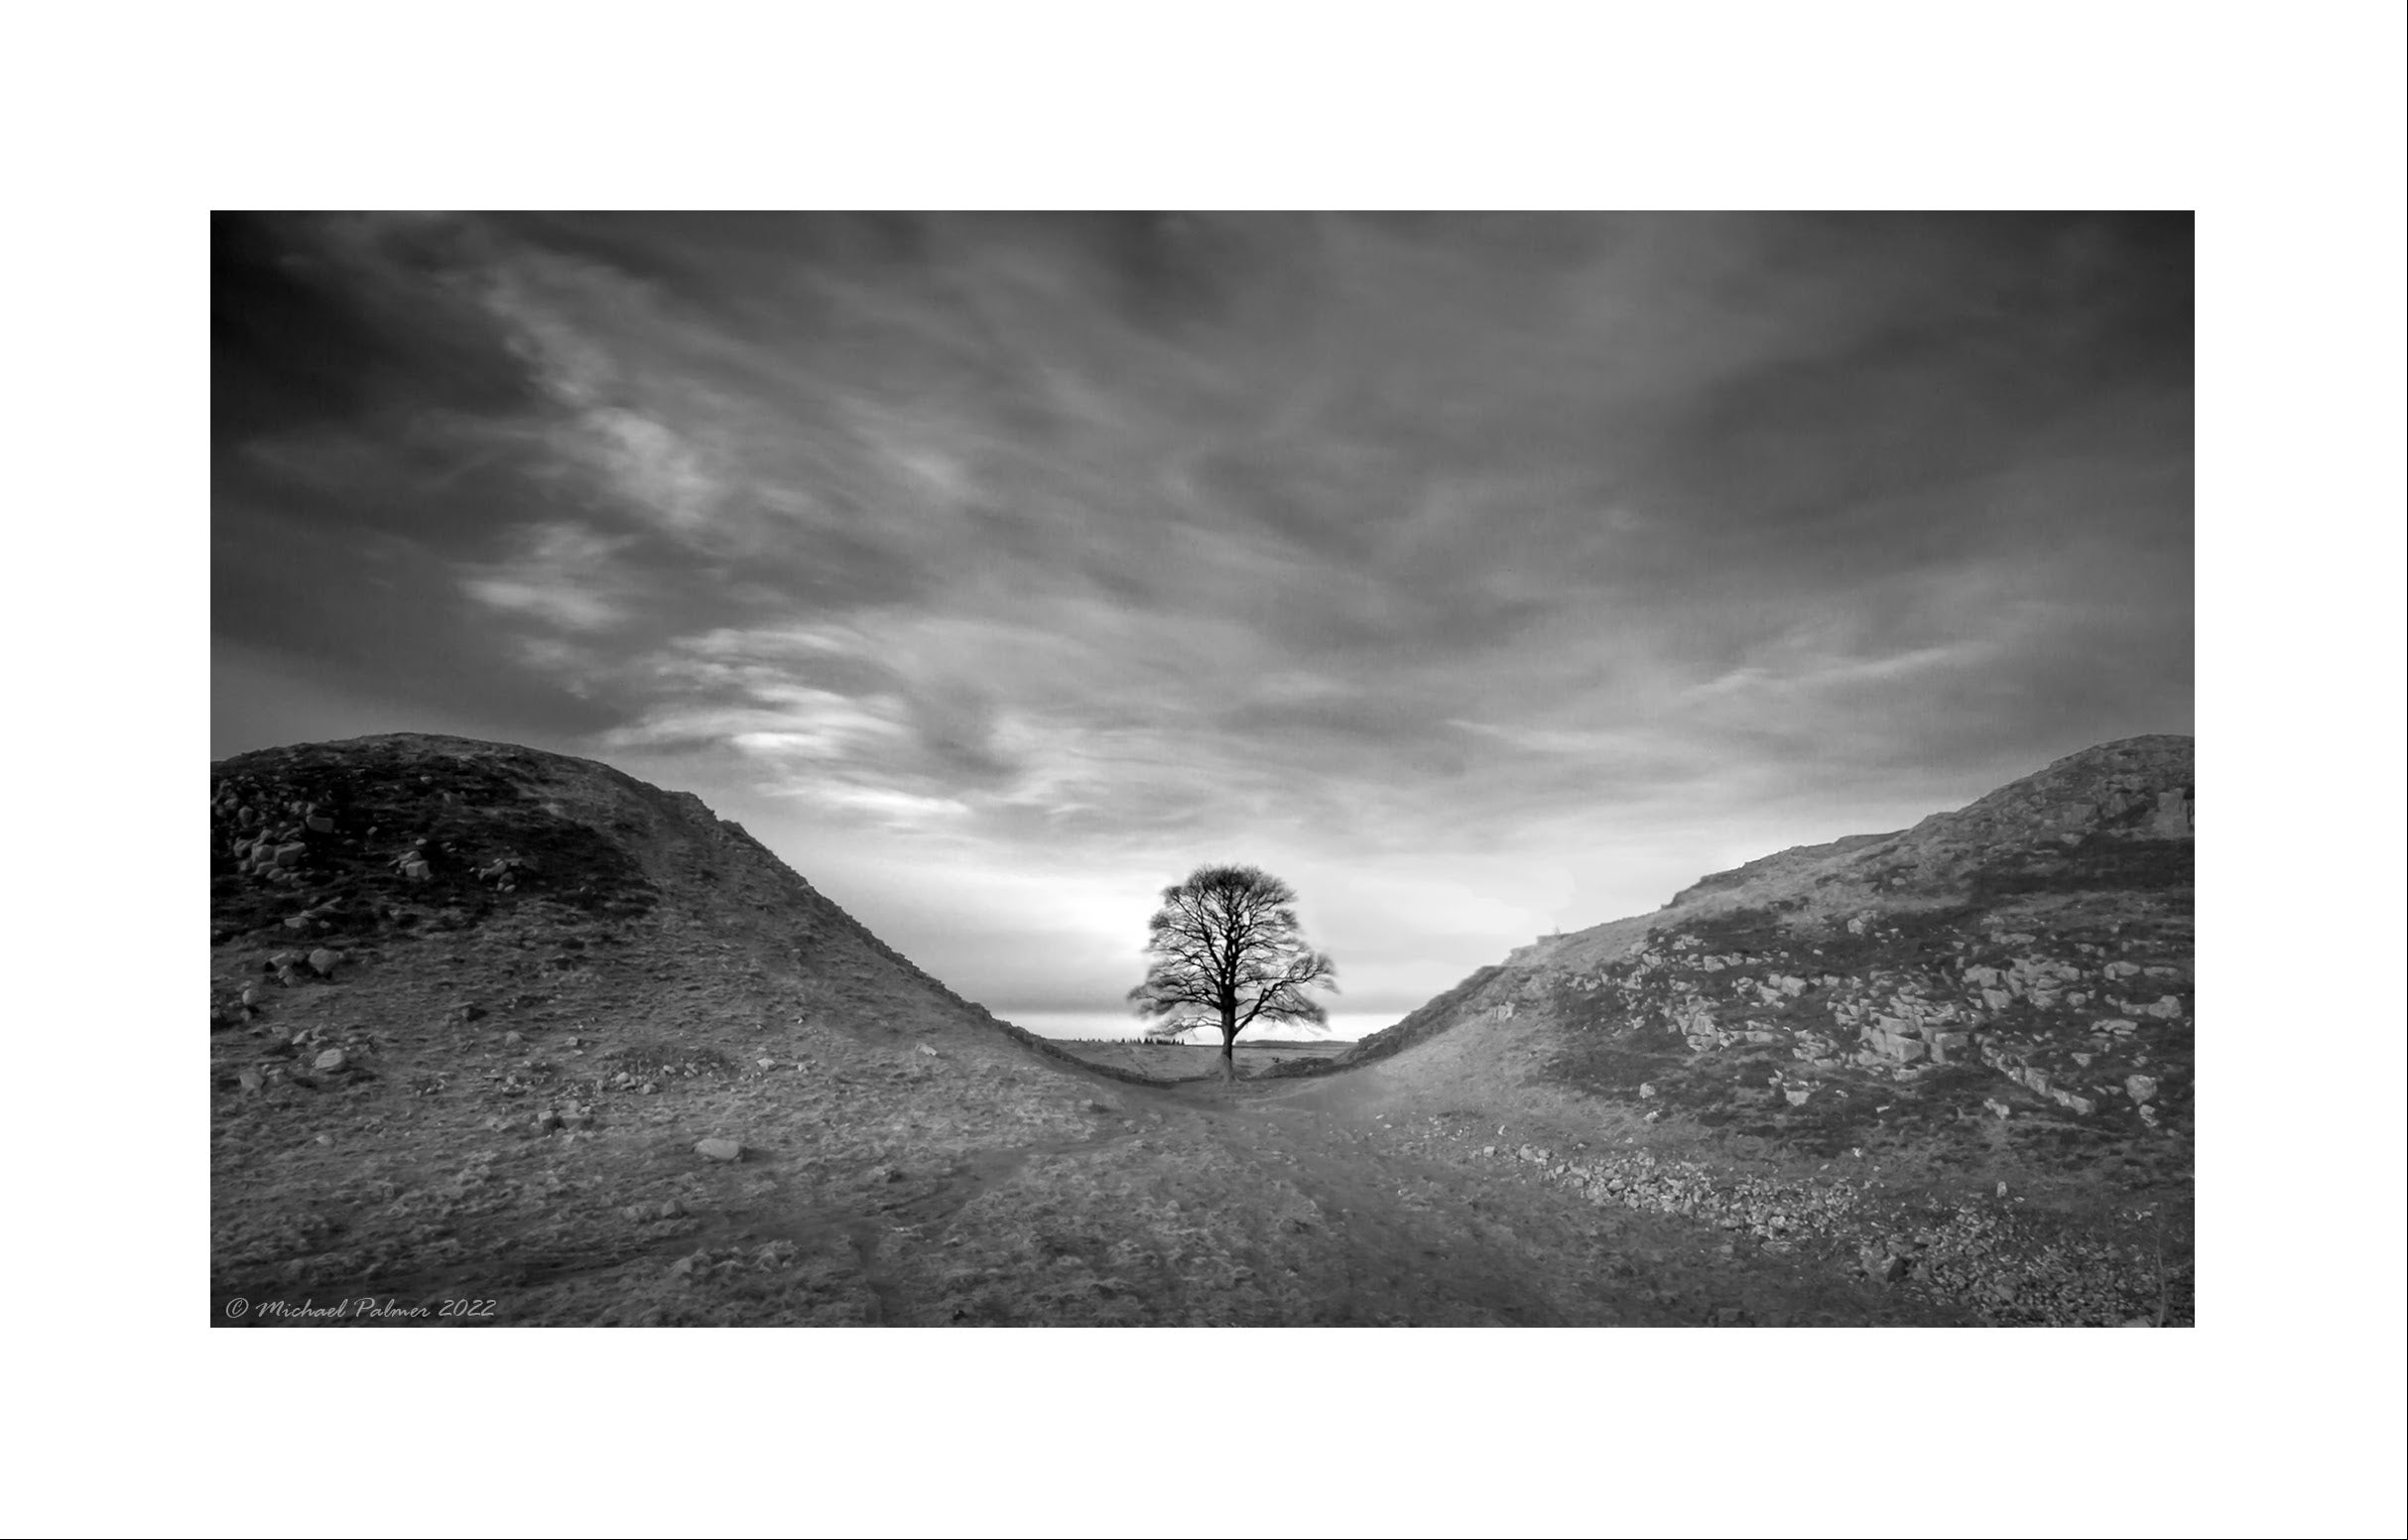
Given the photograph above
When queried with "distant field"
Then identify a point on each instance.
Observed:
(1083, 1026)
(1178, 1062)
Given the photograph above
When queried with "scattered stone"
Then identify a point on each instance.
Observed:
(1647, 1091)
(924, 1048)
(321, 961)
(252, 1079)
(1998, 1106)
(766, 1064)
(718, 1149)
(332, 1060)
(547, 1120)
(512, 1039)
(2141, 1087)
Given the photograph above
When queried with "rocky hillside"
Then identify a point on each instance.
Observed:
(332, 855)
(492, 1020)
(2006, 988)
(2029, 954)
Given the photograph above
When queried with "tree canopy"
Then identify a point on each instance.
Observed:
(1226, 942)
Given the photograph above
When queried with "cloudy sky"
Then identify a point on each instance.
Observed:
(1480, 575)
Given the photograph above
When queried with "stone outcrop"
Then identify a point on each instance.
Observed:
(2027, 955)
(1983, 1255)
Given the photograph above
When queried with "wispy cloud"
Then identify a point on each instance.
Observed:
(564, 576)
(1447, 544)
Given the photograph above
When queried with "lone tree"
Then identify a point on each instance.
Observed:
(1226, 940)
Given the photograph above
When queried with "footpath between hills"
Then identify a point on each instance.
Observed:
(1918, 1234)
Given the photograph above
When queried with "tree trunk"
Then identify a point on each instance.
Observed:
(1229, 1044)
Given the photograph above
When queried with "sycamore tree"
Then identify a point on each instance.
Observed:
(1226, 941)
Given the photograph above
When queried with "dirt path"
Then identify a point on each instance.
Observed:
(1305, 1204)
